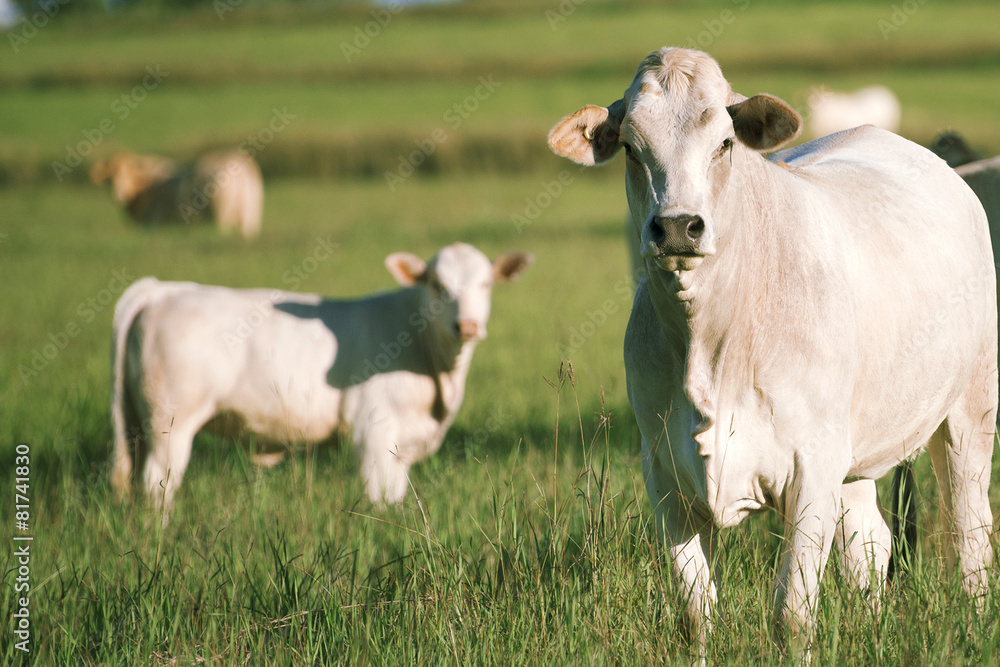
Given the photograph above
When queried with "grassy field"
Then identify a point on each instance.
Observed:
(528, 538)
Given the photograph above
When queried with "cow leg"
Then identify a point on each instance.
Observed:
(170, 435)
(811, 512)
(689, 542)
(961, 452)
(863, 538)
(692, 575)
(385, 474)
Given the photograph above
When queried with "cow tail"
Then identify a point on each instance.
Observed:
(123, 414)
(904, 520)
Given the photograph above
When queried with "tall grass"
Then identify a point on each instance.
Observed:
(521, 557)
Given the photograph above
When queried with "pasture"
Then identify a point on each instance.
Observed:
(527, 539)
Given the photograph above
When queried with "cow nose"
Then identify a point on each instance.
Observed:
(678, 234)
(466, 329)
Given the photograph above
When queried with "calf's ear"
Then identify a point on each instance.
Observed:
(509, 265)
(764, 122)
(589, 136)
(406, 268)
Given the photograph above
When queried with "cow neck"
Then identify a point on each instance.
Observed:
(713, 311)
(726, 281)
(446, 362)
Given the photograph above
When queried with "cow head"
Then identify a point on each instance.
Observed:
(130, 174)
(679, 124)
(458, 282)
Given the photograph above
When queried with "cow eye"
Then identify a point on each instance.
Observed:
(629, 152)
(726, 145)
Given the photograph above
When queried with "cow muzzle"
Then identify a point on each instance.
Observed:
(682, 235)
(468, 330)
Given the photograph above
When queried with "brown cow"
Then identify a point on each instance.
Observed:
(224, 186)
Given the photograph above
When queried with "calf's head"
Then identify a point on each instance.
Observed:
(679, 124)
(458, 282)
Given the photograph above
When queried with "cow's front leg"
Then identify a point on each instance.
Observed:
(692, 575)
(811, 511)
(385, 473)
(689, 539)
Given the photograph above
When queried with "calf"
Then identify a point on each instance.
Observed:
(388, 370)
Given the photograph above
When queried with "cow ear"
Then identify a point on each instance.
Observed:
(509, 265)
(589, 136)
(764, 122)
(406, 268)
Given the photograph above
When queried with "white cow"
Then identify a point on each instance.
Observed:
(388, 370)
(831, 111)
(806, 322)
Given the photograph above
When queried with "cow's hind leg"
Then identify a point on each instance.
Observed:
(170, 436)
(863, 538)
(961, 452)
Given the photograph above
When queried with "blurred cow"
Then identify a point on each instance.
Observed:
(830, 111)
(983, 176)
(223, 186)
(388, 370)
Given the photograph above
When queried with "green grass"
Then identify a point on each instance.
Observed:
(528, 538)
(522, 542)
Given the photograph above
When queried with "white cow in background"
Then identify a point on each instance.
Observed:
(830, 111)
(388, 370)
(791, 342)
